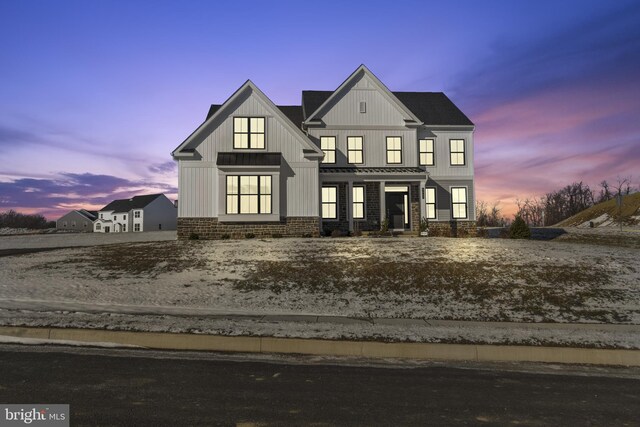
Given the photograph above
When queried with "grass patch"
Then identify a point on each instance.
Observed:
(536, 290)
(149, 259)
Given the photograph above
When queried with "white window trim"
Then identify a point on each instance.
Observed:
(451, 187)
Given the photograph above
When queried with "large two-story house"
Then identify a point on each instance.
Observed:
(350, 159)
(149, 212)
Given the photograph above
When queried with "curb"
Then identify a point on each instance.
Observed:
(368, 349)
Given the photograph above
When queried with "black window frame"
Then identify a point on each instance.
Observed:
(432, 152)
(463, 152)
(363, 202)
(394, 150)
(335, 146)
(465, 203)
(249, 133)
(239, 194)
(322, 203)
(361, 150)
(433, 203)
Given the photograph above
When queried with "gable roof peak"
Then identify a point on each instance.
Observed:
(385, 91)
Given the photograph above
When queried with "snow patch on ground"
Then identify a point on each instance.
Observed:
(38, 341)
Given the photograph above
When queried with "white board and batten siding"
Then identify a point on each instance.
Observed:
(345, 110)
(443, 167)
(198, 179)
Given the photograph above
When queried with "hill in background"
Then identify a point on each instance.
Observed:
(606, 213)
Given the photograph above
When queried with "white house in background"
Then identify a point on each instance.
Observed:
(79, 220)
(151, 212)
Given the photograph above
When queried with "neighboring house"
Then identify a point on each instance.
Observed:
(345, 159)
(79, 220)
(151, 212)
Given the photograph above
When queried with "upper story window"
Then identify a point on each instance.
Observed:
(330, 202)
(456, 152)
(430, 202)
(124, 217)
(426, 152)
(458, 202)
(328, 146)
(136, 214)
(248, 132)
(358, 202)
(394, 149)
(363, 106)
(355, 150)
(249, 194)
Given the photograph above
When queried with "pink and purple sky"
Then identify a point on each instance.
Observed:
(95, 95)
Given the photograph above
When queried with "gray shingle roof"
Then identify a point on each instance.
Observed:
(249, 159)
(90, 215)
(433, 108)
(136, 202)
(293, 112)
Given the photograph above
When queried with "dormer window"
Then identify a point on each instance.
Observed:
(248, 132)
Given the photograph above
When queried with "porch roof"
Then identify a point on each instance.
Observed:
(373, 170)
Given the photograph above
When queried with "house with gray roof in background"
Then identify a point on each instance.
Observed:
(357, 158)
(151, 212)
(80, 220)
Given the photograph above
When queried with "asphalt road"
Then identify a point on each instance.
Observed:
(118, 387)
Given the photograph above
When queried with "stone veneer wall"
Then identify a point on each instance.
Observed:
(342, 223)
(415, 207)
(210, 228)
(453, 229)
(371, 220)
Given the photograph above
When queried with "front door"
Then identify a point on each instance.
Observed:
(107, 229)
(396, 205)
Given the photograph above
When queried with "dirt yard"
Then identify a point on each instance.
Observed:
(433, 278)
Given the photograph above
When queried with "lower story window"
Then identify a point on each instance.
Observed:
(358, 202)
(248, 194)
(124, 227)
(136, 227)
(458, 202)
(330, 202)
(98, 226)
(430, 203)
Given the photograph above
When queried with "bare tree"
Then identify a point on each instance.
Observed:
(489, 218)
(531, 210)
(605, 193)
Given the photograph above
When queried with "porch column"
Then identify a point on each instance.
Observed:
(423, 214)
(383, 210)
(350, 204)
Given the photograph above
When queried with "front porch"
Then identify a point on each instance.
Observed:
(363, 205)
